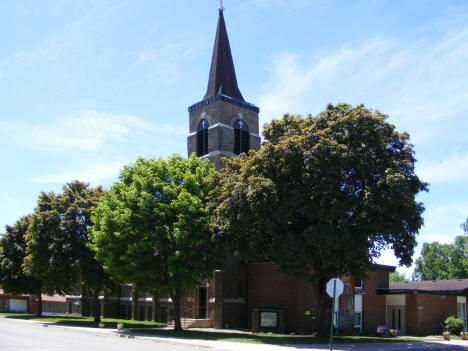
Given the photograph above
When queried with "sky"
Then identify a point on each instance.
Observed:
(89, 86)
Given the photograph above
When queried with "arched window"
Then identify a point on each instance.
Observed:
(202, 138)
(241, 137)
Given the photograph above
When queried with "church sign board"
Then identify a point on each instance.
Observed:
(269, 319)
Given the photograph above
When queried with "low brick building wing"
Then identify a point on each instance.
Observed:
(12, 303)
(419, 308)
(30, 303)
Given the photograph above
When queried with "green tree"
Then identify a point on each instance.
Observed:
(397, 277)
(443, 261)
(152, 227)
(322, 196)
(56, 251)
(12, 253)
(49, 253)
(74, 206)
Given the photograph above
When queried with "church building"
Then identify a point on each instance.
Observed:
(243, 295)
(257, 296)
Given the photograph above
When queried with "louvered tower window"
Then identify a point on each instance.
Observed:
(241, 137)
(202, 138)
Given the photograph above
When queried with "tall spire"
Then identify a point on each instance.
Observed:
(222, 78)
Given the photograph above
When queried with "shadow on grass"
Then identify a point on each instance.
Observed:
(276, 339)
(86, 322)
(51, 318)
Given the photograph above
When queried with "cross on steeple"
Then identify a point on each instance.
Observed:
(221, 8)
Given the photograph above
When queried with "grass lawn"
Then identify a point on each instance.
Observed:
(154, 328)
(79, 321)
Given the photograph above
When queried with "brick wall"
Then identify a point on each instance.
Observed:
(412, 324)
(269, 289)
(373, 306)
(433, 310)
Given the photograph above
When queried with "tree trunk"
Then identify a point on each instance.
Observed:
(325, 309)
(39, 309)
(177, 321)
(175, 296)
(96, 307)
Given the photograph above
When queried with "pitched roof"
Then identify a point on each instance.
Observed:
(431, 286)
(222, 78)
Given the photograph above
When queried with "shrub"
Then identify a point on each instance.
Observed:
(454, 325)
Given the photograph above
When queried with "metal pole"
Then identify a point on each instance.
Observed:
(332, 315)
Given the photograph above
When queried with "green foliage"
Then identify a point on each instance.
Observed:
(397, 277)
(312, 313)
(152, 228)
(443, 261)
(57, 237)
(464, 226)
(75, 204)
(454, 325)
(324, 194)
(47, 251)
(12, 253)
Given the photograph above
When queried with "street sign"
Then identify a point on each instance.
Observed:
(334, 289)
(338, 287)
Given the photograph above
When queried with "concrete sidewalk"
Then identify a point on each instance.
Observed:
(238, 346)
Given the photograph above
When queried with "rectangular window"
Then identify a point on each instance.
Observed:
(357, 319)
(461, 308)
(358, 311)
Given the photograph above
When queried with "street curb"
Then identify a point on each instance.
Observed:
(229, 346)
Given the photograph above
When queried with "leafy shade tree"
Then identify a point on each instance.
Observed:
(49, 252)
(75, 204)
(397, 277)
(12, 253)
(322, 196)
(443, 261)
(152, 227)
(56, 239)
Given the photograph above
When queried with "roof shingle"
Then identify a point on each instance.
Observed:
(452, 285)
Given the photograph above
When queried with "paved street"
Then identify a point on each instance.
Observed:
(31, 336)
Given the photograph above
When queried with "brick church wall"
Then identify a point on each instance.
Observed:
(373, 305)
(268, 289)
(432, 310)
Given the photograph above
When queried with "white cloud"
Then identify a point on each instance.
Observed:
(301, 88)
(94, 174)
(453, 168)
(441, 224)
(444, 221)
(85, 131)
(161, 64)
(430, 84)
(292, 4)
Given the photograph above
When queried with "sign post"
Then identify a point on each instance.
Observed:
(334, 289)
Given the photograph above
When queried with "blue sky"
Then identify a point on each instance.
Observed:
(88, 86)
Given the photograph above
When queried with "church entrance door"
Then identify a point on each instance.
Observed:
(202, 303)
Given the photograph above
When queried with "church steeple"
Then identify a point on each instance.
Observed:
(222, 78)
(223, 124)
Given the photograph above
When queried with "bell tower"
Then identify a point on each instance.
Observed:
(223, 124)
